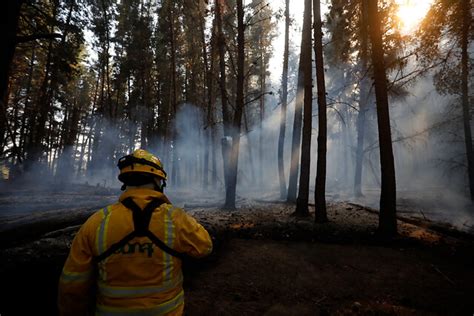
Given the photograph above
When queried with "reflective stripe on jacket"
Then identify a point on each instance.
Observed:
(139, 278)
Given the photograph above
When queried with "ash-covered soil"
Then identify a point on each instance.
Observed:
(267, 262)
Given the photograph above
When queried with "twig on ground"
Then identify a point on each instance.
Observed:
(442, 274)
(320, 300)
(423, 215)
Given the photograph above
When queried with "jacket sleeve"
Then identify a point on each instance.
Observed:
(192, 238)
(75, 292)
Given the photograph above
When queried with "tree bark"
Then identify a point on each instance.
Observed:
(465, 94)
(251, 164)
(262, 116)
(208, 99)
(11, 10)
(363, 100)
(320, 191)
(387, 218)
(297, 122)
(35, 146)
(239, 106)
(224, 99)
(27, 111)
(175, 167)
(284, 101)
(303, 192)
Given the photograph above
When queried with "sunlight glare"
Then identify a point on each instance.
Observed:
(411, 12)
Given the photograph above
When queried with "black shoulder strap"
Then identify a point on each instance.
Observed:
(115, 247)
(141, 218)
(141, 221)
(157, 241)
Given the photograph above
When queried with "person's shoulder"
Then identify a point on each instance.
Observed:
(100, 214)
(172, 209)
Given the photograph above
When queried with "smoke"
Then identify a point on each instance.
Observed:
(428, 153)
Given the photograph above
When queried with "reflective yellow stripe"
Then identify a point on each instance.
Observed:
(129, 291)
(100, 232)
(169, 241)
(106, 227)
(160, 309)
(75, 276)
(101, 240)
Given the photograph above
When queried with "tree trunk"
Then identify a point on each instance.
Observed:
(67, 157)
(306, 68)
(48, 88)
(224, 99)
(239, 106)
(9, 30)
(284, 101)
(27, 111)
(251, 165)
(85, 141)
(297, 122)
(175, 179)
(208, 73)
(387, 218)
(363, 100)
(35, 145)
(214, 158)
(262, 117)
(320, 191)
(465, 94)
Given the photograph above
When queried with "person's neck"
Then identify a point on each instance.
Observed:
(144, 186)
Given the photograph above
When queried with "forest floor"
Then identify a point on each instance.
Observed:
(265, 261)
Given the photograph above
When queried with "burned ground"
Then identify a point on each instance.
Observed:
(266, 262)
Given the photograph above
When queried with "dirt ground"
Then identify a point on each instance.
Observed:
(267, 262)
(302, 278)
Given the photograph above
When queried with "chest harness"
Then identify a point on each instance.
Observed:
(141, 221)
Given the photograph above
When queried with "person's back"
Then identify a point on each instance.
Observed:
(132, 258)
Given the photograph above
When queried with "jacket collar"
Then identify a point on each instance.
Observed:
(143, 196)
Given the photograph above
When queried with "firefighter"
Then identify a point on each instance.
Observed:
(126, 258)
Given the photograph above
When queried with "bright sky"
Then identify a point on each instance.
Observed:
(410, 12)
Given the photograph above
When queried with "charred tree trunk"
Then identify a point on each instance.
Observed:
(465, 94)
(102, 147)
(85, 141)
(208, 73)
(320, 191)
(67, 157)
(27, 111)
(303, 192)
(284, 101)
(35, 145)
(224, 99)
(249, 145)
(363, 100)
(239, 106)
(175, 179)
(297, 122)
(11, 9)
(387, 218)
(262, 116)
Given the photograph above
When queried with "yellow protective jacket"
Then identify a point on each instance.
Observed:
(139, 278)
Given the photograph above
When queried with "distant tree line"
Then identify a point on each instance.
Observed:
(84, 82)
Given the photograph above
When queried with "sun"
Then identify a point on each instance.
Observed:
(411, 12)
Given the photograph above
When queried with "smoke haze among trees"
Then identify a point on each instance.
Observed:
(195, 82)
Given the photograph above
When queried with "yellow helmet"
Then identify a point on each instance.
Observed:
(141, 161)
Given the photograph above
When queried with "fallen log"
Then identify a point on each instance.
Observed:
(18, 229)
(443, 228)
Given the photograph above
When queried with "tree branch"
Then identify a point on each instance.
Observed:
(32, 37)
